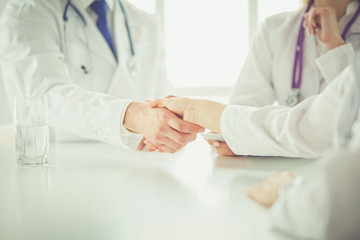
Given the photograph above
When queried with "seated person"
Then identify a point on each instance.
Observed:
(251, 125)
(96, 61)
(324, 206)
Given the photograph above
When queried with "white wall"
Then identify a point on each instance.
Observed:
(4, 107)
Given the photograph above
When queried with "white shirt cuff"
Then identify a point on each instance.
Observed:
(123, 131)
(335, 61)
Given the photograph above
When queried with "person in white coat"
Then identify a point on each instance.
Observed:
(276, 72)
(325, 205)
(96, 61)
(252, 124)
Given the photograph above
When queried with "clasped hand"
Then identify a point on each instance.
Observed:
(190, 110)
(163, 128)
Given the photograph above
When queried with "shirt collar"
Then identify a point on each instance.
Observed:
(84, 4)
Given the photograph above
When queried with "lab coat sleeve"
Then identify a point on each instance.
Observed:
(326, 205)
(307, 130)
(257, 71)
(33, 65)
(303, 211)
(335, 61)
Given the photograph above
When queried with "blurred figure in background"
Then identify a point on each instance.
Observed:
(324, 206)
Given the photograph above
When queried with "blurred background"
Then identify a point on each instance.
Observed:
(207, 42)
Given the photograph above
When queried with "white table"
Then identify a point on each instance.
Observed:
(95, 191)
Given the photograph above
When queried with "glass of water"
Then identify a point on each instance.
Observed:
(31, 131)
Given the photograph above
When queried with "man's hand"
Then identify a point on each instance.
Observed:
(266, 194)
(322, 22)
(166, 131)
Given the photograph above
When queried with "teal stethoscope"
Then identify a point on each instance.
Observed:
(294, 96)
(133, 64)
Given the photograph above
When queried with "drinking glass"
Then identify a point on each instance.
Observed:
(31, 131)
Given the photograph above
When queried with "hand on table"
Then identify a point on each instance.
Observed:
(166, 131)
(266, 193)
(322, 22)
(222, 148)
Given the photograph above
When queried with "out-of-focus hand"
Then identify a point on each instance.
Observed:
(162, 127)
(266, 194)
(221, 148)
(322, 22)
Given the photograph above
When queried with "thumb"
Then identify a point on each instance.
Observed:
(141, 145)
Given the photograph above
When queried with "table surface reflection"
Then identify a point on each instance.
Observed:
(96, 191)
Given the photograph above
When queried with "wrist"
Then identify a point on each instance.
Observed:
(132, 116)
(335, 43)
(191, 113)
(208, 114)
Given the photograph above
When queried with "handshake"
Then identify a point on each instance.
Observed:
(169, 124)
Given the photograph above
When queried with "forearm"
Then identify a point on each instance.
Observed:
(301, 131)
(205, 113)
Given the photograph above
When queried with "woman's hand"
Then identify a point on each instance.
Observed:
(178, 105)
(266, 194)
(204, 113)
(322, 22)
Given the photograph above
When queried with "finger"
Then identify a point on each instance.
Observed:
(141, 145)
(224, 150)
(250, 193)
(225, 153)
(166, 144)
(306, 20)
(185, 127)
(174, 145)
(310, 21)
(171, 96)
(160, 103)
(151, 147)
(182, 138)
(165, 149)
(315, 17)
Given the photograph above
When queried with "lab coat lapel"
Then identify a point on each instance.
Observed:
(98, 43)
(310, 67)
(122, 46)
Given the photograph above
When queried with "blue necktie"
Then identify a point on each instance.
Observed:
(101, 9)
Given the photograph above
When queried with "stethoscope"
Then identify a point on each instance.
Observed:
(294, 96)
(133, 64)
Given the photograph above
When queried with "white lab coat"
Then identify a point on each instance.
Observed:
(325, 206)
(36, 60)
(306, 130)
